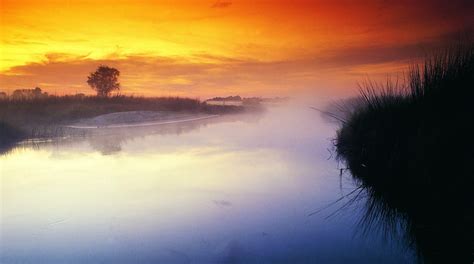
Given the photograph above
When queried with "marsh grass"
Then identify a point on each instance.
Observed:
(58, 109)
(43, 117)
(410, 146)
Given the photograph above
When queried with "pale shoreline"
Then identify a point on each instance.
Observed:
(137, 119)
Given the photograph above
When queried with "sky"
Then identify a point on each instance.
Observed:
(206, 48)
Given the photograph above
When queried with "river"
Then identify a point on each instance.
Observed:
(249, 188)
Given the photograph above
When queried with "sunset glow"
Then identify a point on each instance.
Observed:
(211, 48)
(236, 131)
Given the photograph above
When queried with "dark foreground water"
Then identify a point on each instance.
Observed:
(235, 189)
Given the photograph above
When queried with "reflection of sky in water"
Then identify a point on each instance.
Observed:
(224, 191)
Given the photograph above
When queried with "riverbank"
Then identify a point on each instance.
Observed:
(137, 119)
(47, 116)
(410, 149)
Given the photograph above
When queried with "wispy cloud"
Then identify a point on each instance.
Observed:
(221, 4)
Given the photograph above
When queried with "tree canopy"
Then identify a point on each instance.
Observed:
(104, 80)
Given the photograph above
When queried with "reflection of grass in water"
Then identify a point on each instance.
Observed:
(412, 150)
(8, 136)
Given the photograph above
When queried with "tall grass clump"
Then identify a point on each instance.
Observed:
(410, 146)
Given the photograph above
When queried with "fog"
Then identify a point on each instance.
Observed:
(231, 189)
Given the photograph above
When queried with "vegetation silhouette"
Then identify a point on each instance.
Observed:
(410, 147)
(45, 116)
(32, 113)
(104, 80)
(8, 137)
(26, 94)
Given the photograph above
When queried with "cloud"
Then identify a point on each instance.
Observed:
(21, 42)
(209, 75)
(58, 57)
(221, 4)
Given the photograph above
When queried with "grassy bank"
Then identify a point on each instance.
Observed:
(41, 117)
(411, 148)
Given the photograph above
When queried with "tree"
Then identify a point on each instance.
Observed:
(104, 80)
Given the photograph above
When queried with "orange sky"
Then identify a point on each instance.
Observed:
(206, 48)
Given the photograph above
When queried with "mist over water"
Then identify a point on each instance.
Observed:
(233, 189)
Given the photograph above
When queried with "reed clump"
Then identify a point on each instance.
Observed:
(410, 145)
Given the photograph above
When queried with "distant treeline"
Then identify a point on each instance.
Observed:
(228, 98)
(249, 99)
(24, 94)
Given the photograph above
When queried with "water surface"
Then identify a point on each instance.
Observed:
(235, 189)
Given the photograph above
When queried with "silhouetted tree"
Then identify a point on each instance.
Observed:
(104, 80)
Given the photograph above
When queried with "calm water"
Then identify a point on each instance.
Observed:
(234, 189)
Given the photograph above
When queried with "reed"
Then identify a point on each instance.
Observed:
(410, 145)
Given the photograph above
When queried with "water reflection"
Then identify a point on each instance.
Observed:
(226, 191)
(435, 219)
(109, 141)
(419, 194)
